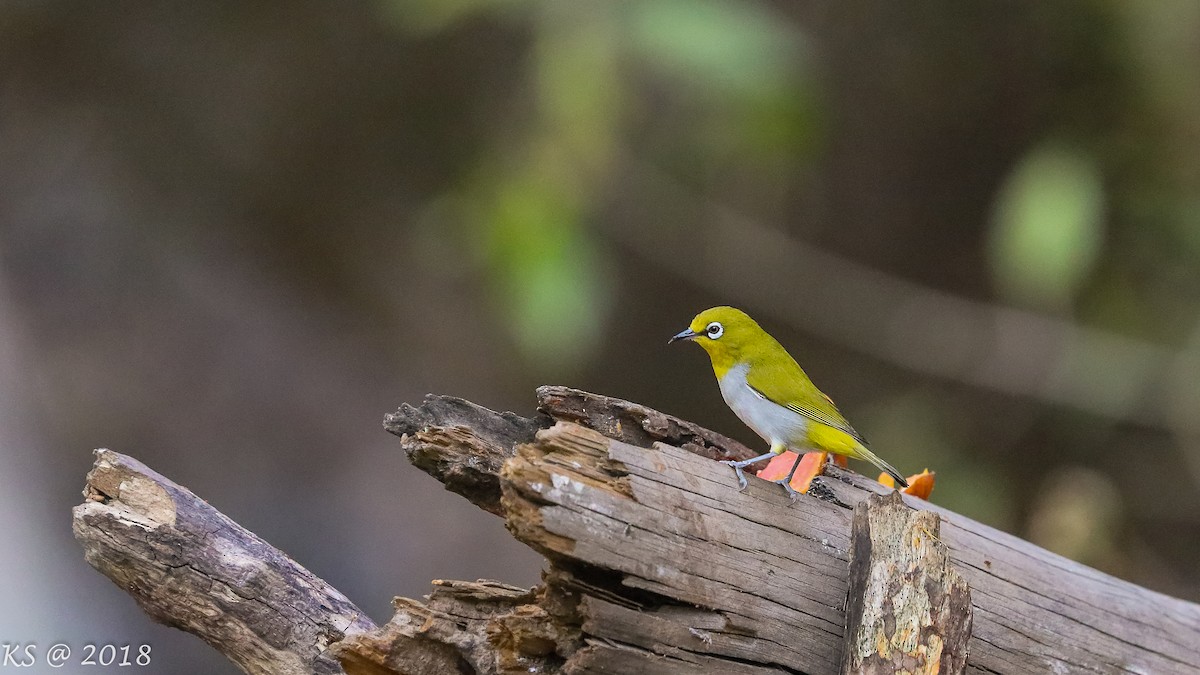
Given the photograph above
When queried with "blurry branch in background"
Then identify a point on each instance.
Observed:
(905, 323)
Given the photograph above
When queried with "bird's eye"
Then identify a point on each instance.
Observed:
(715, 330)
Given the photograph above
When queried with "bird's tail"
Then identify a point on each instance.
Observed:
(864, 453)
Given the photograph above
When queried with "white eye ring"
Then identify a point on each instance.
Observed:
(715, 330)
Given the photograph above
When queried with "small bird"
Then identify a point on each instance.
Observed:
(768, 391)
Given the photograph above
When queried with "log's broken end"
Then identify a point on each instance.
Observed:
(908, 610)
(462, 444)
(189, 566)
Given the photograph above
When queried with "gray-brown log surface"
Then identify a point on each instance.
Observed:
(657, 564)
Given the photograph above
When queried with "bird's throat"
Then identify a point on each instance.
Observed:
(721, 363)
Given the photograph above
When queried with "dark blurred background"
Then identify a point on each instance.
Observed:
(234, 236)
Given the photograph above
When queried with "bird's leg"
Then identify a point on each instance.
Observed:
(786, 482)
(738, 466)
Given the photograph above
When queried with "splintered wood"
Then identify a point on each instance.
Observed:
(908, 610)
(463, 627)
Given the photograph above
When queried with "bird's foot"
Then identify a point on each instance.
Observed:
(739, 465)
(741, 475)
(787, 487)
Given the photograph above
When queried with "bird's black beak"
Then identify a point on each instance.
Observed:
(688, 334)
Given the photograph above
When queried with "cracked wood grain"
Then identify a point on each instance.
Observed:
(191, 567)
(767, 593)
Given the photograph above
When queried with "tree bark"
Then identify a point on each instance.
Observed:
(908, 610)
(658, 564)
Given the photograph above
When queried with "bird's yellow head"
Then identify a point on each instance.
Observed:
(729, 336)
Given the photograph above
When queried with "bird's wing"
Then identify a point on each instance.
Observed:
(837, 422)
(821, 409)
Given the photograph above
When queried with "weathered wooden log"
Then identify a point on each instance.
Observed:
(762, 580)
(907, 609)
(191, 567)
(657, 564)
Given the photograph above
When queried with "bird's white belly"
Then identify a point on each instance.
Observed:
(775, 423)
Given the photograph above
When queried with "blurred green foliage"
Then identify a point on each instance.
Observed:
(1049, 227)
(739, 71)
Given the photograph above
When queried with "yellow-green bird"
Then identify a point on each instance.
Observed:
(766, 388)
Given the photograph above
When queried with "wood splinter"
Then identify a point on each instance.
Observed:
(908, 610)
